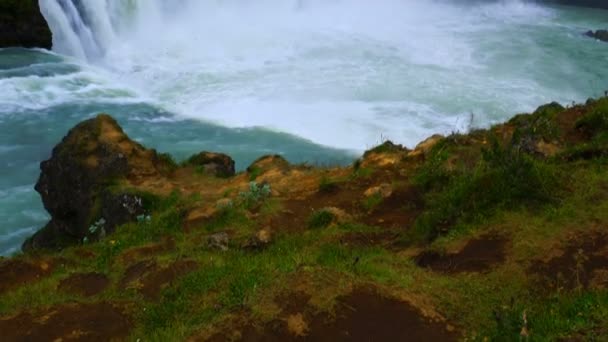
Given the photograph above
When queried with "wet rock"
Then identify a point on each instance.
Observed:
(216, 164)
(259, 240)
(22, 25)
(599, 35)
(218, 241)
(77, 183)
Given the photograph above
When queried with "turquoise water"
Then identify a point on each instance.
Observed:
(27, 136)
(318, 84)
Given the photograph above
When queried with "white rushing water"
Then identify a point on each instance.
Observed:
(342, 73)
(184, 76)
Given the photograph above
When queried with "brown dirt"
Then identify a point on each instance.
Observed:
(73, 322)
(384, 238)
(137, 271)
(14, 273)
(400, 210)
(479, 255)
(582, 259)
(566, 121)
(154, 282)
(364, 315)
(131, 255)
(85, 284)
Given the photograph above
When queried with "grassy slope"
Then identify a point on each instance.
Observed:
(485, 183)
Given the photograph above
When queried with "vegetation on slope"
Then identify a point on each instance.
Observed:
(498, 234)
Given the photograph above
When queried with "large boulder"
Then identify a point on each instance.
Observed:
(216, 164)
(22, 24)
(84, 185)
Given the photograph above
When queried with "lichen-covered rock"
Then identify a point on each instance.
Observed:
(218, 241)
(22, 24)
(80, 184)
(216, 164)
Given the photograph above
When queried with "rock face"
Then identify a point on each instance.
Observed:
(599, 34)
(216, 164)
(83, 184)
(22, 24)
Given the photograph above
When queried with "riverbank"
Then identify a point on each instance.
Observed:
(496, 233)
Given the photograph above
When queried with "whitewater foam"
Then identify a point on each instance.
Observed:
(342, 73)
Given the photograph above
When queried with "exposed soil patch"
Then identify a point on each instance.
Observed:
(479, 255)
(385, 238)
(399, 210)
(154, 282)
(582, 263)
(14, 273)
(75, 322)
(168, 244)
(85, 284)
(361, 316)
(137, 271)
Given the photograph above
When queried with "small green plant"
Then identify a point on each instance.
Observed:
(371, 202)
(321, 219)
(327, 185)
(144, 218)
(255, 194)
(254, 172)
(97, 229)
(362, 172)
(596, 120)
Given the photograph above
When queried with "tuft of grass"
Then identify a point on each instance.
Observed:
(386, 147)
(328, 185)
(596, 120)
(370, 203)
(556, 317)
(321, 219)
(254, 172)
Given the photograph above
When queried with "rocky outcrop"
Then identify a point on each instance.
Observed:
(84, 185)
(22, 24)
(599, 35)
(216, 164)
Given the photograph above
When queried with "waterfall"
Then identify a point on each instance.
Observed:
(82, 29)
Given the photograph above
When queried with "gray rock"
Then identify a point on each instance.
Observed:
(218, 241)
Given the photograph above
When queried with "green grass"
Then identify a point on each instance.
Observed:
(596, 120)
(320, 219)
(372, 202)
(503, 178)
(328, 185)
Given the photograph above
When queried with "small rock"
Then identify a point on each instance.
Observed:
(260, 240)
(218, 241)
(384, 190)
